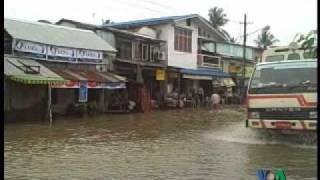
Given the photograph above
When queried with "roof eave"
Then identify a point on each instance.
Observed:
(214, 29)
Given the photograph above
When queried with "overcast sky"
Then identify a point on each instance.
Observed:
(286, 17)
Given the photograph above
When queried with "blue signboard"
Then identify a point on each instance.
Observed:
(83, 91)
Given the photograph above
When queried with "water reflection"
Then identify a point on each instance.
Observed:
(186, 144)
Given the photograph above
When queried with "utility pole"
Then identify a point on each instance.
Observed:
(244, 56)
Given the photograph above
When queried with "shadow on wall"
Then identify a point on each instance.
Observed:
(34, 112)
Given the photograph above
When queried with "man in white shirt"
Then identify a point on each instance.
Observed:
(215, 100)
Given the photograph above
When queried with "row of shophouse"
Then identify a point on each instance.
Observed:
(50, 68)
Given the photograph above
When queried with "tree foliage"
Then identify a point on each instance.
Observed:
(308, 42)
(265, 39)
(108, 21)
(217, 17)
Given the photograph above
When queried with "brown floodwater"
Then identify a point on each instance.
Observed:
(174, 144)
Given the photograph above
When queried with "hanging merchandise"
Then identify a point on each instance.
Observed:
(83, 91)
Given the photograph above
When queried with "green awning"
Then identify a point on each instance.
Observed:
(29, 79)
(29, 72)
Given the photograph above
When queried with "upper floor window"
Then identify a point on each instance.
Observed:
(124, 50)
(137, 50)
(145, 52)
(152, 53)
(212, 61)
(188, 22)
(203, 33)
(182, 40)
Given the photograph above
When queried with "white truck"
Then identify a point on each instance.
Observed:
(282, 96)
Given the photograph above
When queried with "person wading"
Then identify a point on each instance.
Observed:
(201, 96)
(215, 100)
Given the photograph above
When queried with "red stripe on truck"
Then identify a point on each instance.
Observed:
(301, 100)
(303, 125)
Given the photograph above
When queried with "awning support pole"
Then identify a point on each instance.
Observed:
(179, 82)
(49, 104)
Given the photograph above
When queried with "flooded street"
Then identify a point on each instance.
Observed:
(174, 144)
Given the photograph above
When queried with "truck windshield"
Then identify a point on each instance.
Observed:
(284, 78)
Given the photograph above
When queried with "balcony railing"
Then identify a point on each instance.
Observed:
(227, 49)
(144, 53)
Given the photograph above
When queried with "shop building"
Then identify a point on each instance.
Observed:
(79, 59)
(194, 68)
(141, 57)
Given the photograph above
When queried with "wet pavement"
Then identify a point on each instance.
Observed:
(173, 144)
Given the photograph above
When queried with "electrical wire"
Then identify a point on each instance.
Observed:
(158, 4)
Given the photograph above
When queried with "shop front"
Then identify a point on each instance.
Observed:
(89, 92)
(200, 83)
(27, 89)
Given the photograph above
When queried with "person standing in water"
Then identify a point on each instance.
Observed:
(215, 100)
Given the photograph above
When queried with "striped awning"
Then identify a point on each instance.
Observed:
(36, 80)
(29, 71)
(94, 79)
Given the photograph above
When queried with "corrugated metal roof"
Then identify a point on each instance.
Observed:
(93, 76)
(14, 69)
(162, 20)
(82, 25)
(149, 22)
(56, 35)
(132, 34)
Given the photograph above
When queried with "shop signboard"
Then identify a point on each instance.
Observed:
(29, 47)
(88, 54)
(112, 85)
(92, 85)
(83, 91)
(234, 68)
(61, 52)
(69, 84)
(160, 75)
(58, 53)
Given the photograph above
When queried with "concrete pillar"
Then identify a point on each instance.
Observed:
(49, 105)
(179, 82)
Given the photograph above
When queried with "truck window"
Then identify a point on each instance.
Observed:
(283, 79)
(274, 58)
(294, 56)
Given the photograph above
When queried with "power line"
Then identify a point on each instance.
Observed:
(158, 4)
(238, 22)
(234, 21)
(125, 6)
(251, 33)
(136, 5)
